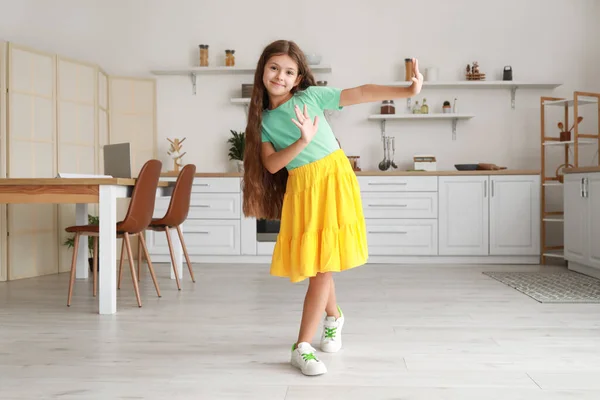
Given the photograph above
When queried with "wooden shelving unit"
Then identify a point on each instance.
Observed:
(577, 139)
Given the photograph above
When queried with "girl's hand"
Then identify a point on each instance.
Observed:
(417, 79)
(308, 129)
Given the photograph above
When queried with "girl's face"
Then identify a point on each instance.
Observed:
(280, 75)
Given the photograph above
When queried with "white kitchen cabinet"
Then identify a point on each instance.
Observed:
(514, 215)
(466, 218)
(575, 215)
(214, 224)
(582, 222)
(593, 228)
(495, 215)
(463, 215)
(400, 215)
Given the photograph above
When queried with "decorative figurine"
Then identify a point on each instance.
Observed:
(473, 73)
(175, 153)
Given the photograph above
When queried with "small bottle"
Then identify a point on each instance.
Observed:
(416, 108)
(424, 107)
(203, 55)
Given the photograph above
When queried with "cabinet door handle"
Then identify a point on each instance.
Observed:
(485, 189)
(387, 232)
(387, 183)
(585, 189)
(202, 205)
(388, 205)
(493, 188)
(582, 187)
(203, 184)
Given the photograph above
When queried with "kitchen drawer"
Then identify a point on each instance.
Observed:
(400, 205)
(216, 185)
(398, 183)
(215, 206)
(402, 237)
(210, 237)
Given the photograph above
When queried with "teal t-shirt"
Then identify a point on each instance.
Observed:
(278, 128)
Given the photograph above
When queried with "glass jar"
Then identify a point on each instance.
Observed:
(388, 107)
(203, 55)
(408, 69)
(229, 58)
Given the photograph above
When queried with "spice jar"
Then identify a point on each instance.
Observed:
(388, 107)
(203, 55)
(229, 58)
(408, 69)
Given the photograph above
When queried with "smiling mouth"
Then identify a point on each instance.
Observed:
(277, 84)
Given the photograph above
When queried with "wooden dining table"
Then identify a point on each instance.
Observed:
(81, 192)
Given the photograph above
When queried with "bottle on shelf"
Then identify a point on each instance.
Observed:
(424, 107)
(416, 108)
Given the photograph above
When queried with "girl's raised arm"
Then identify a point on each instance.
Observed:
(375, 93)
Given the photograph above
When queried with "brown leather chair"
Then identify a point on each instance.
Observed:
(138, 217)
(176, 214)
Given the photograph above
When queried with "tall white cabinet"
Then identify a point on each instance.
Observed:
(55, 117)
(582, 222)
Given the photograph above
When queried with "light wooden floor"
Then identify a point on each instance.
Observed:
(412, 332)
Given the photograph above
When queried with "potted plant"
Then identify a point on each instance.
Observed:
(70, 242)
(236, 150)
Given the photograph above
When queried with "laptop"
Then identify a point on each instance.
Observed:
(117, 160)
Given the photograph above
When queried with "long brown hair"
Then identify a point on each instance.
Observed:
(263, 191)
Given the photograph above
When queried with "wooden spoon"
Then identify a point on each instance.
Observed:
(579, 119)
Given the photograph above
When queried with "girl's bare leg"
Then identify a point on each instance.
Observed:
(317, 298)
(331, 308)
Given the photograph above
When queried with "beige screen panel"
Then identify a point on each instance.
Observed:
(103, 123)
(3, 221)
(132, 105)
(77, 136)
(31, 138)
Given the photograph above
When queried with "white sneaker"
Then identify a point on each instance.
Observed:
(304, 358)
(331, 338)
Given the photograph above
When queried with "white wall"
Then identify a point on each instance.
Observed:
(365, 43)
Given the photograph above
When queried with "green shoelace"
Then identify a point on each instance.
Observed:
(330, 333)
(309, 356)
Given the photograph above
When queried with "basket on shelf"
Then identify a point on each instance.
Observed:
(473, 74)
(475, 77)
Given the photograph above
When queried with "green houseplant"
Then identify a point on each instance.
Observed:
(237, 143)
(70, 242)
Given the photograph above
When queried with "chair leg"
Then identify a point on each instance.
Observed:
(73, 268)
(95, 266)
(187, 257)
(132, 268)
(172, 257)
(139, 256)
(150, 267)
(121, 264)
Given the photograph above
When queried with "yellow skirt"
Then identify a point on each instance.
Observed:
(322, 224)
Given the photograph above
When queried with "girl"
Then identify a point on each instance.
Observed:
(295, 171)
